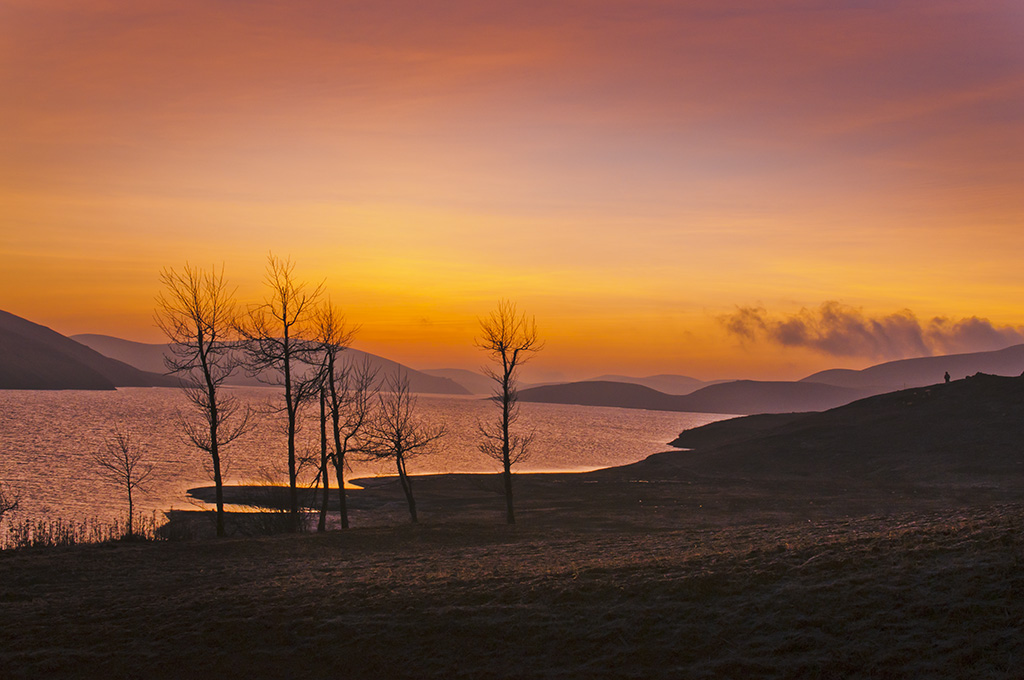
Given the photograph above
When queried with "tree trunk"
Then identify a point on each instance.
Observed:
(321, 525)
(510, 515)
(339, 452)
(218, 485)
(291, 407)
(339, 466)
(506, 452)
(131, 511)
(214, 415)
(407, 488)
(293, 485)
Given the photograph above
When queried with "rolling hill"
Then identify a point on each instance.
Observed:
(739, 397)
(921, 371)
(601, 393)
(820, 391)
(755, 396)
(665, 382)
(149, 356)
(968, 433)
(34, 357)
(475, 383)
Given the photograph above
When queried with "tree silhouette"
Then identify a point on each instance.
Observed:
(276, 337)
(9, 500)
(395, 433)
(510, 339)
(120, 461)
(197, 312)
(347, 391)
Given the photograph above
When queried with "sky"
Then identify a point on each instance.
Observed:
(715, 188)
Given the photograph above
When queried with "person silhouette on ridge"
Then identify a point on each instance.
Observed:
(947, 376)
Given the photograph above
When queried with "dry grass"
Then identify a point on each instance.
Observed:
(19, 533)
(919, 594)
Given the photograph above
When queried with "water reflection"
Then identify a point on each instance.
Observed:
(46, 439)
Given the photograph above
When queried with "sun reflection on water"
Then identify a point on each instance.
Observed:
(46, 440)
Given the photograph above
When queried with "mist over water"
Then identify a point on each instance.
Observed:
(47, 440)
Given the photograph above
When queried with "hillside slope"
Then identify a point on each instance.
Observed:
(27, 365)
(667, 383)
(738, 397)
(35, 357)
(149, 356)
(921, 371)
(475, 383)
(601, 393)
(755, 396)
(969, 432)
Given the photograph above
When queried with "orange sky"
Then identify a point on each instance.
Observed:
(632, 173)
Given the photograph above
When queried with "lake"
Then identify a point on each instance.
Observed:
(47, 439)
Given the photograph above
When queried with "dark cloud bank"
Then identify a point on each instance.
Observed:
(842, 330)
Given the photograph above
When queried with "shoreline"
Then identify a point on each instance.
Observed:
(657, 492)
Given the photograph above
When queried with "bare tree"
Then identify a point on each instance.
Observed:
(9, 500)
(397, 434)
(120, 461)
(276, 338)
(353, 398)
(348, 389)
(510, 339)
(197, 312)
(332, 336)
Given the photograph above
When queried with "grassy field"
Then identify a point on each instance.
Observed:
(589, 584)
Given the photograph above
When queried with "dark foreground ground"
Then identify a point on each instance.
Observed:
(606, 576)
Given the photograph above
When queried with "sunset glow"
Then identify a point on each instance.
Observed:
(631, 173)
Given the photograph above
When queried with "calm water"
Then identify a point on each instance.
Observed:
(47, 438)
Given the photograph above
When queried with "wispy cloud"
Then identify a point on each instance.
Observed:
(842, 330)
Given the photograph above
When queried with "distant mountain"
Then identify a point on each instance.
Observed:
(418, 381)
(602, 393)
(918, 372)
(142, 355)
(753, 396)
(145, 357)
(968, 432)
(740, 397)
(475, 383)
(25, 364)
(821, 391)
(34, 357)
(667, 383)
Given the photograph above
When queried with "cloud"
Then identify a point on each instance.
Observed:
(973, 334)
(842, 330)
